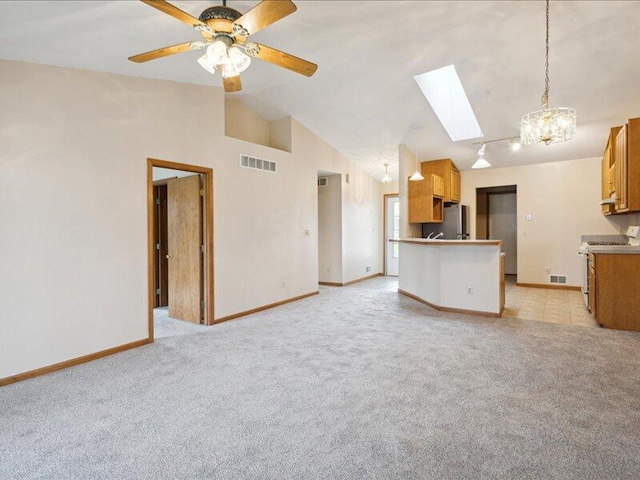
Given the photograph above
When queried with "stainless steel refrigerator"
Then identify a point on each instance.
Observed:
(454, 227)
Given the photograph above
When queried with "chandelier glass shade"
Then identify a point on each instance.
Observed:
(547, 125)
(231, 61)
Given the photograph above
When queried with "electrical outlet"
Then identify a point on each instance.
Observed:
(328, 270)
(469, 290)
(283, 284)
(548, 269)
(367, 268)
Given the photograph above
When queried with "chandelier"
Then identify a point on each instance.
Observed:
(547, 125)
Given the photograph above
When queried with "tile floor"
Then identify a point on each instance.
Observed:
(546, 305)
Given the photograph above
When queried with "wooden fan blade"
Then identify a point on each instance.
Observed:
(264, 14)
(175, 12)
(286, 60)
(162, 52)
(232, 84)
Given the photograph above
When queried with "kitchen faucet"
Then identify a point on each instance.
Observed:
(438, 236)
(430, 234)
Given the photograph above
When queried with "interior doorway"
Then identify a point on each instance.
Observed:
(497, 219)
(391, 230)
(329, 228)
(180, 246)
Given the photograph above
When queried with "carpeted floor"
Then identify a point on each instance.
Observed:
(165, 326)
(357, 382)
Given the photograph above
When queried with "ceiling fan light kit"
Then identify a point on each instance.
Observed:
(548, 125)
(225, 32)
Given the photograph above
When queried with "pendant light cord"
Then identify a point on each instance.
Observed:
(545, 95)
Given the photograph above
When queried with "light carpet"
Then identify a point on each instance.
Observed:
(357, 382)
(165, 326)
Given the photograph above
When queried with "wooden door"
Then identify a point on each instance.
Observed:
(184, 232)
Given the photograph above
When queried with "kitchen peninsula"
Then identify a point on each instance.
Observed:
(465, 276)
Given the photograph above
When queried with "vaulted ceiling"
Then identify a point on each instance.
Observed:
(363, 99)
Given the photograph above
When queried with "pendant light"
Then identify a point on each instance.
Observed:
(417, 176)
(547, 125)
(481, 162)
(386, 178)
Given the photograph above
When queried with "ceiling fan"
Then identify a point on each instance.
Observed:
(225, 31)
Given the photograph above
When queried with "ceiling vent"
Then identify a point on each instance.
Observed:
(247, 161)
(323, 181)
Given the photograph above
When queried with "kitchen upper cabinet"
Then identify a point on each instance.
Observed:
(622, 179)
(609, 171)
(446, 169)
(613, 289)
(622, 164)
(425, 200)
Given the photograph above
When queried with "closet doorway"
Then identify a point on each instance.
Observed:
(497, 219)
(180, 243)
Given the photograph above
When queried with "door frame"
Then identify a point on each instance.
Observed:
(208, 236)
(384, 229)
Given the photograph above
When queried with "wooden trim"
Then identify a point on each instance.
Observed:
(384, 229)
(178, 166)
(209, 226)
(263, 308)
(550, 287)
(70, 363)
(449, 309)
(357, 280)
(150, 248)
(458, 243)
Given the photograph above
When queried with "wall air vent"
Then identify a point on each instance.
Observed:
(559, 279)
(247, 161)
(323, 181)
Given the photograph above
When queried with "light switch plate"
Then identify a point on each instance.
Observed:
(632, 231)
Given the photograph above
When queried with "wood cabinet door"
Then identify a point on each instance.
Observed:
(621, 170)
(184, 232)
(438, 186)
(455, 185)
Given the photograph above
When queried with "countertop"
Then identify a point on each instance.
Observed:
(458, 243)
(614, 249)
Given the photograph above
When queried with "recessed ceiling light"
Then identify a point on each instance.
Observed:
(444, 92)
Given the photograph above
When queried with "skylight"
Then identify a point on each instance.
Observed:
(444, 92)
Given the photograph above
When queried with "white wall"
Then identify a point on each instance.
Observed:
(361, 212)
(361, 204)
(330, 230)
(563, 199)
(73, 208)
